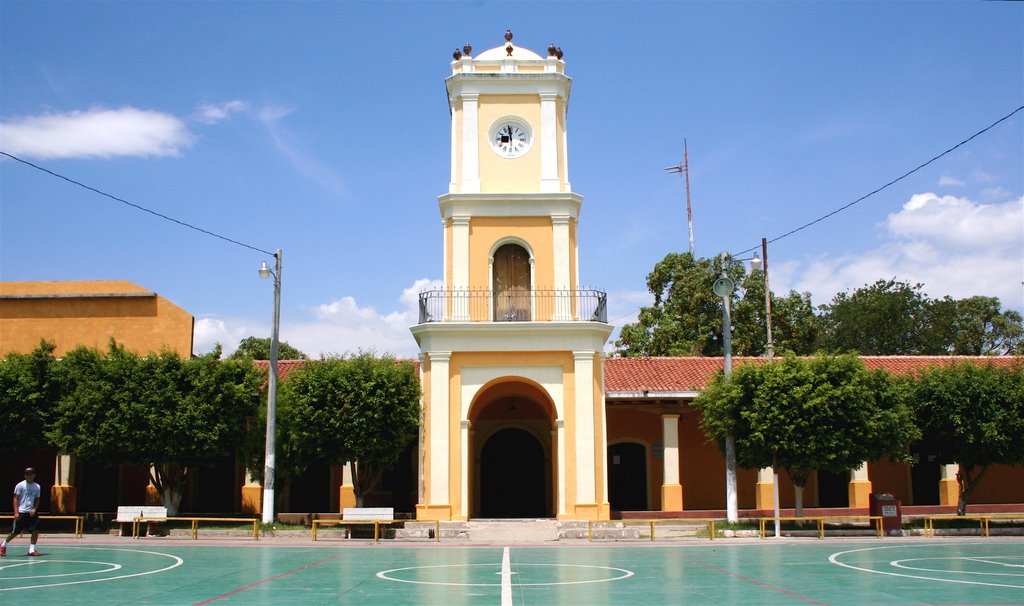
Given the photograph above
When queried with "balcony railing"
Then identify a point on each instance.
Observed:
(513, 305)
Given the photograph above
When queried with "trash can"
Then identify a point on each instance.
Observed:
(889, 507)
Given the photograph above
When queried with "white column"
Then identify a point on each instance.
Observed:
(467, 463)
(560, 241)
(453, 184)
(439, 426)
(420, 438)
(460, 268)
(584, 406)
(602, 437)
(64, 473)
(549, 143)
(560, 430)
(565, 150)
(670, 438)
(470, 145)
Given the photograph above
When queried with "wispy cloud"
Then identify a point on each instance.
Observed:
(211, 113)
(947, 181)
(300, 159)
(95, 133)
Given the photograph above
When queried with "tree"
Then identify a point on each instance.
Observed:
(359, 409)
(803, 414)
(258, 348)
(686, 318)
(981, 328)
(158, 410)
(28, 396)
(972, 415)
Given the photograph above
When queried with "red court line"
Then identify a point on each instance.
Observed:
(755, 581)
(264, 581)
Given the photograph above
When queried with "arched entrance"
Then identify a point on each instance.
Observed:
(511, 440)
(512, 476)
(627, 476)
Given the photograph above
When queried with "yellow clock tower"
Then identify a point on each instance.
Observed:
(511, 347)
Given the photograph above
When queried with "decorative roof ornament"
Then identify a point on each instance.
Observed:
(552, 50)
(508, 36)
(467, 50)
(457, 54)
(558, 53)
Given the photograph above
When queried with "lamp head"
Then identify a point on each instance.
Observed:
(264, 270)
(755, 263)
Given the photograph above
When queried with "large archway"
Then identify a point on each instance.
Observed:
(512, 444)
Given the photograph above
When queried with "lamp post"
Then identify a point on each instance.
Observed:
(269, 458)
(724, 287)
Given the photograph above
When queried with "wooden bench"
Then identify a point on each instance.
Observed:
(133, 514)
(79, 521)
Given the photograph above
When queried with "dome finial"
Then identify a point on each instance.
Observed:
(467, 50)
(508, 35)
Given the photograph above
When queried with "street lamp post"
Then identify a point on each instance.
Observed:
(724, 287)
(269, 458)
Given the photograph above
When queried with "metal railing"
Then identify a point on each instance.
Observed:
(513, 305)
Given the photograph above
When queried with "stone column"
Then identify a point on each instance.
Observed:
(860, 487)
(63, 495)
(467, 465)
(764, 495)
(671, 488)
(586, 485)
(560, 432)
(560, 241)
(549, 143)
(347, 490)
(470, 144)
(949, 488)
(438, 506)
(460, 269)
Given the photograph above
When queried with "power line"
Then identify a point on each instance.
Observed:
(136, 206)
(894, 181)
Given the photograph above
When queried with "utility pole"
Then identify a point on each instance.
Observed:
(684, 169)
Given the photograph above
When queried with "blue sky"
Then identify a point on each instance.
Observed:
(322, 128)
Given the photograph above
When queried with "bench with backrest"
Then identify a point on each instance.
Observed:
(357, 516)
(133, 514)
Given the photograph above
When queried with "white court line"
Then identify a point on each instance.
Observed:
(506, 579)
(832, 559)
(178, 562)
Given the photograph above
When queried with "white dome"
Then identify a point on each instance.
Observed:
(498, 53)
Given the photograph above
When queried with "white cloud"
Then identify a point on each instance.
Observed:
(208, 332)
(947, 181)
(209, 113)
(336, 327)
(96, 133)
(953, 246)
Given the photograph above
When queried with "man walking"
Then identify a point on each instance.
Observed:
(26, 512)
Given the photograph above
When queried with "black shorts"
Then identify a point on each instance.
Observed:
(25, 522)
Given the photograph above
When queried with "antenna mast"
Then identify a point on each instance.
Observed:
(684, 169)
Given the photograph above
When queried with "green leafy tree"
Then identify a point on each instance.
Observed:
(359, 409)
(972, 415)
(28, 396)
(982, 328)
(686, 318)
(158, 410)
(803, 414)
(885, 318)
(258, 348)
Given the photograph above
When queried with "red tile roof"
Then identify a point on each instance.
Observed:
(694, 373)
(691, 374)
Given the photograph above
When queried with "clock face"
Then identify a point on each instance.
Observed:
(510, 140)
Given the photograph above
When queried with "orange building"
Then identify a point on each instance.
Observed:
(87, 313)
(90, 313)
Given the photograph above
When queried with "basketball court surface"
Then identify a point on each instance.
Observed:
(803, 571)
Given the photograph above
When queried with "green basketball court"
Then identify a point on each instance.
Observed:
(162, 571)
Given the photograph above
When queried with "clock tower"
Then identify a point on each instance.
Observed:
(511, 346)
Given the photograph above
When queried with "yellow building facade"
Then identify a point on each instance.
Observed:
(511, 347)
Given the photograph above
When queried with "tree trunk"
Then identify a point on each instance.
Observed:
(799, 478)
(967, 484)
(365, 479)
(169, 480)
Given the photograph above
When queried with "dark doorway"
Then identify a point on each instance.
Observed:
(924, 479)
(627, 476)
(512, 478)
(833, 489)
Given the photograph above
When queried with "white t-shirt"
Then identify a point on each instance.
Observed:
(28, 494)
